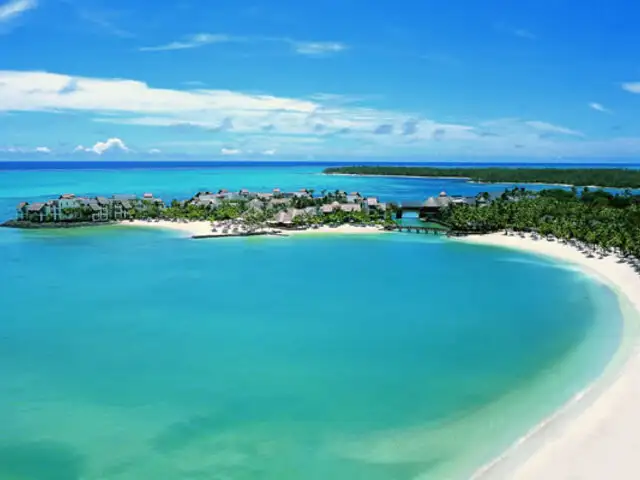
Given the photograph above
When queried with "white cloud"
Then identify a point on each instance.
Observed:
(551, 128)
(110, 144)
(102, 147)
(269, 152)
(14, 8)
(633, 87)
(25, 150)
(230, 151)
(192, 41)
(41, 91)
(201, 39)
(318, 48)
(599, 107)
(132, 102)
(155, 151)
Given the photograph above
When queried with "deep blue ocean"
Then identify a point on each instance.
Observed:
(132, 354)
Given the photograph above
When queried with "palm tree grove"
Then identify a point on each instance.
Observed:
(596, 218)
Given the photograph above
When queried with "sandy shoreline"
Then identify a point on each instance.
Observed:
(197, 228)
(189, 229)
(370, 175)
(594, 436)
(469, 180)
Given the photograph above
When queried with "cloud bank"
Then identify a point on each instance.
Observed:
(318, 124)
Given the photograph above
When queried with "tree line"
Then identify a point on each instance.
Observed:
(593, 217)
(602, 177)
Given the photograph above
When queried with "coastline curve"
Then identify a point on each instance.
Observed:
(568, 443)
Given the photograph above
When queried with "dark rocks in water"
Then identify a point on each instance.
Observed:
(38, 225)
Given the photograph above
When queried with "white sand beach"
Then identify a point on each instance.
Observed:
(188, 228)
(597, 435)
(204, 228)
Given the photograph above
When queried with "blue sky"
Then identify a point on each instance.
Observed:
(330, 79)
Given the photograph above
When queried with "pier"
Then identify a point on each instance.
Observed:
(418, 229)
(238, 234)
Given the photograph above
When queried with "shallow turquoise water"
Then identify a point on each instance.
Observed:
(135, 354)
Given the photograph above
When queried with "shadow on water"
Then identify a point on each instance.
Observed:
(243, 454)
(40, 461)
(185, 432)
(194, 428)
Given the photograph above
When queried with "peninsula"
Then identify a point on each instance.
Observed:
(604, 221)
(603, 177)
(209, 214)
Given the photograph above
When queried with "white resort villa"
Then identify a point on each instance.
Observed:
(70, 208)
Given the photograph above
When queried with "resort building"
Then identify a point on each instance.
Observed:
(372, 204)
(354, 197)
(70, 208)
(21, 211)
(432, 205)
(36, 212)
(232, 197)
(201, 194)
(345, 207)
(207, 200)
(350, 207)
(285, 218)
(329, 207)
(302, 193)
(255, 204)
(279, 202)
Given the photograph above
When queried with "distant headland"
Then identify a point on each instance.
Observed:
(601, 177)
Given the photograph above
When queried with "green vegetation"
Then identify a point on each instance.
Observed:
(339, 217)
(609, 222)
(603, 177)
(266, 211)
(189, 211)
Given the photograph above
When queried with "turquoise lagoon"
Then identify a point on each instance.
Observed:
(136, 354)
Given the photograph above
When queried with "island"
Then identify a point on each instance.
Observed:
(602, 177)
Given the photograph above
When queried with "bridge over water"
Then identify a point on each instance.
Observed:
(418, 229)
(411, 206)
